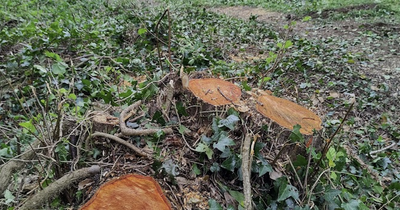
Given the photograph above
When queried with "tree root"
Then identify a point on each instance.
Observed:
(126, 113)
(58, 186)
(11, 166)
(121, 141)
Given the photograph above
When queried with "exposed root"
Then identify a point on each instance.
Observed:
(121, 141)
(134, 132)
(12, 166)
(58, 186)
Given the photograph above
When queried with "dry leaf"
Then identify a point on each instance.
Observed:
(274, 175)
(288, 114)
(132, 191)
(334, 95)
(215, 91)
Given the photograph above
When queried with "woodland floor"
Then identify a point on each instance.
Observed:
(379, 62)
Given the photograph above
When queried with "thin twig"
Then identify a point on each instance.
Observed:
(169, 41)
(295, 172)
(328, 144)
(155, 33)
(315, 184)
(383, 149)
(183, 134)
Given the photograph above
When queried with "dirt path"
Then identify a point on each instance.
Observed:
(383, 53)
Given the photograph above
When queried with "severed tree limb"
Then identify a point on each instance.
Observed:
(121, 141)
(7, 169)
(58, 186)
(246, 171)
(129, 111)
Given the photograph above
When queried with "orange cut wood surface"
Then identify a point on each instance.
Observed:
(132, 191)
(288, 114)
(214, 91)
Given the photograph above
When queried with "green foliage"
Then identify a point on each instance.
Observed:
(78, 52)
(220, 140)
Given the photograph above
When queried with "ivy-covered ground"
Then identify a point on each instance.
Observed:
(62, 64)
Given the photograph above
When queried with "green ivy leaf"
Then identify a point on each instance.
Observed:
(223, 142)
(288, 44)
(53, 55)
(330, 195)
(238, 196)
(351, 205)
(306, 18)
(40, 68)
(183, 130)
(229, 163)
(229, 122)
(142, 31)
(28, 126)
(215, 167)
(286, 191)
(296, 136)
(206, 139)
(72, 96)
(181, 109)
(204, 148)
(214, 205)
(330, 155)
(4, 152)
(264, 169)
(9, 197)
(59, 68)
(196, 169)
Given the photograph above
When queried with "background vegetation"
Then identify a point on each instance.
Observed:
(59, 59)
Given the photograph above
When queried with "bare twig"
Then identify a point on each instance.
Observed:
(155, 33)
(328, 144)
(169, 42)
(295, 172)
(183, 134)
(315, 184)
(383, 149)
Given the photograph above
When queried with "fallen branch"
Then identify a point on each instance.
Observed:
(246, 171)
(129, 111)
(121, 141)
(58, 186)
(7, 169)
